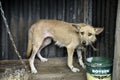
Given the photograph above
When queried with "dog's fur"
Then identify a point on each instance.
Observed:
(70, 35)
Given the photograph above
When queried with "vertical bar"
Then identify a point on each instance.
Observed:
(1, 38)
(4, 31)
(102, 44)
(90, 12)
(107, 14)
(86, 11)
(112, 25)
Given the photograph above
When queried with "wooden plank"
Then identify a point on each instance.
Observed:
(116, 67)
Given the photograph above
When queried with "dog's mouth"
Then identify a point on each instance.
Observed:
(86, 43)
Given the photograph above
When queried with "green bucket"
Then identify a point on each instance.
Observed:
(98, 68)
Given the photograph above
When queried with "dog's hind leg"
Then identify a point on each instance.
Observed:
(80, 58)
(32, 58)
(46, 42)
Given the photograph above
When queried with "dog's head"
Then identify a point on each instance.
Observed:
(87, 33)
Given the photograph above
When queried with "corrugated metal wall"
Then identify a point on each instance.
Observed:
(104, 14)
(22, 13)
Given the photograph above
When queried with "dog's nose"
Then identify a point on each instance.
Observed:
(84, 42)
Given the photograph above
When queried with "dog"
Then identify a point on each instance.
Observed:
(70, 35)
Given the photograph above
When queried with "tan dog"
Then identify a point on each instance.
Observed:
(69, 35)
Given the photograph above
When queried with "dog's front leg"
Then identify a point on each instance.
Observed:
(70, 60)
(79, 53)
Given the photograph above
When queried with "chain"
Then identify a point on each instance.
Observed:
(11, 37)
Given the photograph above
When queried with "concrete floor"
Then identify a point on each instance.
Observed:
(54, 69)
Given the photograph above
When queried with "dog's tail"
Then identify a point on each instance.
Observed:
(29, 48)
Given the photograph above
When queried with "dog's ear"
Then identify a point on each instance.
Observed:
(76, 27)
(98, 30)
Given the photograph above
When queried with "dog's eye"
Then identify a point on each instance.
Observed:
(82, 33)
(89, 34)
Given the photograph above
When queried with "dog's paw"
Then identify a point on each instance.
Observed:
(34, 71)
(44, 60)
(75, 69)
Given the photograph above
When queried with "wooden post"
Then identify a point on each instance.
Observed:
(116, 64)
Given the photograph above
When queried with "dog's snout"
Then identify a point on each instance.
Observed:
(84, 42)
